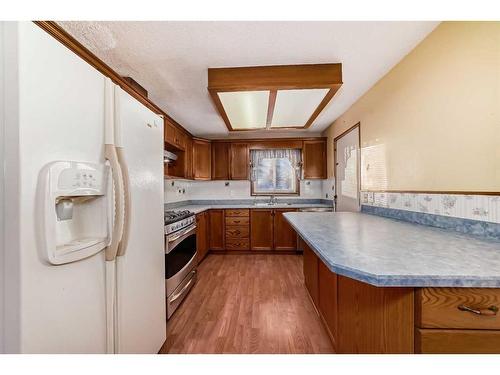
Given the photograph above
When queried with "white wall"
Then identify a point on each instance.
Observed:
(199, 190)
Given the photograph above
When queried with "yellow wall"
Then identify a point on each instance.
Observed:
(433, 122)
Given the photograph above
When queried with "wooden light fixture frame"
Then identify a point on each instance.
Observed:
(272, 79)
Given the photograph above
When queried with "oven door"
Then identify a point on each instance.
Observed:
(180, 257)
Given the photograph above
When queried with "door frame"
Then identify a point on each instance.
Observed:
(335, 140)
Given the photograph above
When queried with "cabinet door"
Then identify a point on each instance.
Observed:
(189, 158)
(311, 273)
(220, 161)
(201, 160)
(239, 161)
(374, 320)
(285, 237)
(328, 299)
(314, 158)
(181, 139)
(216, 223)
(201, 235)
(170, 132)
(261, 229)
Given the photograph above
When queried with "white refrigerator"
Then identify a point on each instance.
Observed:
(82, 200)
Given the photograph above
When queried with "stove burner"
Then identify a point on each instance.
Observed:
(173, 216)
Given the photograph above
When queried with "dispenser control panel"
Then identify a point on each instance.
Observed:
(82, 179)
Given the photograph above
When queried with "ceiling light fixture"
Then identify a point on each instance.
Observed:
(273, 97)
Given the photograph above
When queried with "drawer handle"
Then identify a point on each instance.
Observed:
(489, 311)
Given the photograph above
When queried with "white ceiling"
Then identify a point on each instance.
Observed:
(170, 59)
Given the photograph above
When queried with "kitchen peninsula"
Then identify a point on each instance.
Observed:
(385, 286)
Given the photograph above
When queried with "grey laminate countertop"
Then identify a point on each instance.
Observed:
(388, 252)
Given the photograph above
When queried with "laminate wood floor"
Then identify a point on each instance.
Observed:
(247, 303)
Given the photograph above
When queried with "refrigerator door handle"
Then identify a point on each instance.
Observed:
(118, 223)
(122, 247)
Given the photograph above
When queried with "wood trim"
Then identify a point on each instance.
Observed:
(434, 192)
(58, 33)
(358, 124)
(305, 76)
(321, 106)
(270, 108)
(136, 86)
(220, 108)
(335, 140)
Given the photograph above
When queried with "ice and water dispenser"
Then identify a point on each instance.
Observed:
(75, 210)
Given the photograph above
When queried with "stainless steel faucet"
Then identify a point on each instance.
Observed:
(273, 200)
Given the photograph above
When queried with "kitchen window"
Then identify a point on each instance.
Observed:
(275, 171)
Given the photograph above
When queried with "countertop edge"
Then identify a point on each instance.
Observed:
(202, 207)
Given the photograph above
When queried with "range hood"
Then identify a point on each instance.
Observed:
(169, 157)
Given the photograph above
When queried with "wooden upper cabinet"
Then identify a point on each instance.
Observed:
(261, 229)
(201, 159)
(175, 136)
(170, 132)
(181, 139)
(311, 263)
(220, 161)
(314, 159)
(285, 238)
(217, 230)
(189, 158)
(239, 164)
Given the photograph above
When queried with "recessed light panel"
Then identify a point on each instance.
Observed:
(295, 107)
(245, 109)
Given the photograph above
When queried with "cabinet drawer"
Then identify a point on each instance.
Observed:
(240, 212)
(449, 341)
(237, 220)
(237, 244)
(447, 308)
(237, 231)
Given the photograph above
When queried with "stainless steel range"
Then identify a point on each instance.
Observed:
(180, 256)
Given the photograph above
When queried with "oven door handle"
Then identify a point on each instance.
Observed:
(183, 233)
(181, 292)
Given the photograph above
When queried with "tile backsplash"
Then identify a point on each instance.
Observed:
(474, 207)
(181, 190)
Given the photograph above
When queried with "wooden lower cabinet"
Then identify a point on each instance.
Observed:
(237, 230)
(216, 233)
(261, 229)
(285, 237)
(202, 235)
(457, 341)
(311, 274)
(359, 318)
(457, 320)
(444, 308)
(328, 300)
(373, 319)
